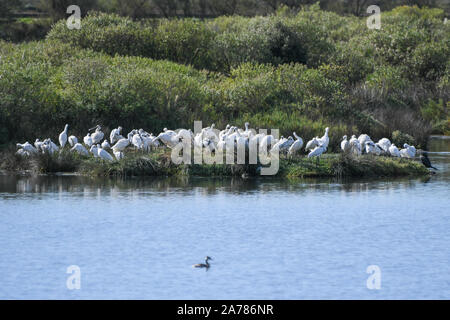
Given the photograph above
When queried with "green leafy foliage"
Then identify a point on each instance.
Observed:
(296, 71)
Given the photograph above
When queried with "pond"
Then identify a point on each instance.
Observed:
(269, 239)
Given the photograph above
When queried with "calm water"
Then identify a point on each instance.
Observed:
(269, 239)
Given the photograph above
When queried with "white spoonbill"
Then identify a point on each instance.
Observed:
(284, 147)
(184, 134)
(73, 140)
(277, 146)
(363, 139)
(317, 152)
(384, 144)
(88, 140)
(372, 148)
(53, 145)
(38, 145)
(411, 150)
(63, 136)
(115, 135)
(28, 147)
(168, 138)
(345, 145)
(49, 146)
(106, 145)
(137, 141)
(311, 144)
(296, 146)
(78, 147)
(122, 143)
(94, 150)
(393, 151)
(355, 146)
(325, 140)
(103, 154)
(98, 135)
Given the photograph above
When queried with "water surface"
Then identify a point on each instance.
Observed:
(270, 239)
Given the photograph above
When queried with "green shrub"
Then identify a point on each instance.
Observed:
(399, 138)
(428, 59)
(26, 30)
(302, 71)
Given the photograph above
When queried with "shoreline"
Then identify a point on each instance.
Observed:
(158, 164)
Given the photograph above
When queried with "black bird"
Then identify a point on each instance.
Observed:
(426, 161)
(203, 265)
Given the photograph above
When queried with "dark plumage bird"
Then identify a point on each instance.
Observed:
(203, 265)
(426, 161)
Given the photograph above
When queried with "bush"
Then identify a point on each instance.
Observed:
(428, 59)
(19, 31)
(308, 70)
(399, 139)
(39, 91)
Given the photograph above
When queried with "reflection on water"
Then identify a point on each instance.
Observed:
(310, 238)
(77, 186)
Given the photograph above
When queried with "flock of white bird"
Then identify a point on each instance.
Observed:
(364, 144)
(99, 147)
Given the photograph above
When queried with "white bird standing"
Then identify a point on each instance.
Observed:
(408, 151)
(94, 150)
(63, 136)
(355, 146)
(284, 147)
(384, 144)
(325, 140)
(345, 145)
(105, 145)
(78, 147)
(371, 148)
(277, 145)
(28, 147)
(296, 146)
(38, 145)
(137, 141)
(73, 141)
(393, 150)
(363, 139)
(98, 135)
(53, 145)
(122, 143)
(49, 146)
(115, 135)
(411, 150)
(168, 138)
(103, 154)
(317, 152)
(88, 140)
(311, 144)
